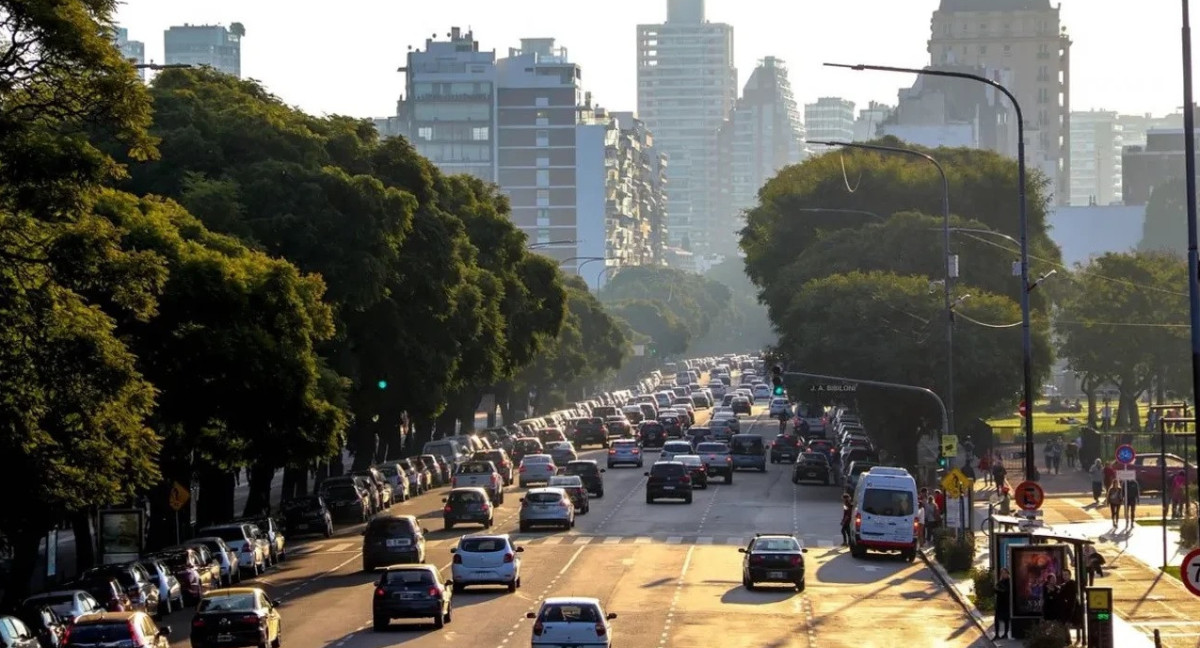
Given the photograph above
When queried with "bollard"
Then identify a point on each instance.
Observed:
(1157, 639)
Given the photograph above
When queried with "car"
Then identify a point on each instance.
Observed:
(269, 531)
(15, 633)
(136, 583)
(242, 538)
(617, 428)
(672, 448)
(195, 578)
(773, 558)
(309, 514)
(392, 539)
(500, 459)
(717, 460)
(468, 504)
(812, 466)
(855, 470)
(170, 591)
(668, 479)
(546, 506)
(785, 447)
(575, 489)
(480, 474)
(747, 451)
(723, 428)
(524, 447)
(741, 405)
(884, 514)
(227, 559)
(49, 630)
(536, 468)
(778, 407)
(590, 472)
(625, 452)
(106, 590)
(412, 591)
(67, 604)
(129, 629)
(590, 431)
(562, 452)
(762, 391)
(696, 469)
(673, 423)
(571, 621)
(237, 616)
(486, 560)
(653, 434)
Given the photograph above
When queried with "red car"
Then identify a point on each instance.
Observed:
(1150, 473)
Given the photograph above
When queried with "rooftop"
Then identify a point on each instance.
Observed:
(994, 5)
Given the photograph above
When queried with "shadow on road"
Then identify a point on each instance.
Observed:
(479, 594)
(760, 596)
(846, 569)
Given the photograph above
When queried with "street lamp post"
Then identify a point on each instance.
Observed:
(1026, 332)
(161, 66)
(945, 260)
(600, 275)
(536, 246)
(1189, 157)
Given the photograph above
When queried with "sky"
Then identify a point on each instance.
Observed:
(341, 58)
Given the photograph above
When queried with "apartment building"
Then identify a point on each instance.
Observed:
(214, 46)
(1096, 143)
(829, 119)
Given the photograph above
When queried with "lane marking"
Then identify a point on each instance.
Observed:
(704, 541)
(736, 541)
(612, 540)
(666, 633)
(708, 510)
(341, 546)
(301, 585)
(642, 540)
(674, 540)
(536, 601)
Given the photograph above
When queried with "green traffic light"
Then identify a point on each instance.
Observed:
(779, 390)
(382, 384)
(942, 462)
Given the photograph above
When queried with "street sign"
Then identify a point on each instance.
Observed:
(1126, 454)
(1029, 496)
(955, 506)
(1189, 571)
(1021, 409)
(639, 350)
(949, 445)
(1126, 475)
(955, 482)
(179, 496)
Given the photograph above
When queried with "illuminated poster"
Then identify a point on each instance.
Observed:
(1030, 566)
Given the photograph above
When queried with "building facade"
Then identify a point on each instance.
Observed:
(829, 119)
(687, 85)
(1145, 167)
(764, 133)
(866, 127)
(636, 207)
(214, 46)
(1027, 38)
(133, 51)
(1096, 143)
(940, 111)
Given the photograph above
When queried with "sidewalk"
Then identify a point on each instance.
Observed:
(1125, 634)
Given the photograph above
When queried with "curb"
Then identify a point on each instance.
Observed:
(959, 596)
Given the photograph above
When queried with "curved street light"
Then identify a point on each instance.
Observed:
(538, 246)
(600, 275)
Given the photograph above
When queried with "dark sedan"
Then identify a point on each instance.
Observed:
(411, 592)
(241, 616)
(812, 466)
(773, 558)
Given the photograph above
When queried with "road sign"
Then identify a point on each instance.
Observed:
(1189, 571)
(1021, 409)
(639, 350)
(1126, 454)
(955, 482)
(179, 496)
(955, 506)
(1029, 496)
(949, 445)
(1126, 475)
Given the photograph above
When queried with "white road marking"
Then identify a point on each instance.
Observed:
(582, 540)
(341, 546)
(736, 541)
(552, 540)
(612, 540)
(642, 540)
(704, 541)
(674, 540)
(666, 633)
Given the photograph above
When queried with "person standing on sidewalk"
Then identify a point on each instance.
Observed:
(1110, 475)
(1097, 474)
(933, 520)
(1094, 563)
(1115, 497)
(847, 507)
(1003, 605)
(1048, 456)
(1056, 454)
(1072, 453)
(1133, 493)
(1178, 485)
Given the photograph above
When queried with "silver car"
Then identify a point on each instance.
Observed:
(170, 592)
(672, 448)
(624, 452)
(536, 468)
(547, 506)
(230, 573)
(563, 452)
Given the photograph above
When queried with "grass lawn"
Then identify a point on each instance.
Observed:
(1172, 570)
(1157, 522)
(1046, 422)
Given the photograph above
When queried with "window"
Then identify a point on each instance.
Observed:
(890, 503)
(543, 118)
(543, 162)
(543, 178)
(543, 138)
(1043, 95)
(541, 102)
(982, 50)
(543, 218)
(1008, 50)
(543, 197)
(425, 133)
(479, 133)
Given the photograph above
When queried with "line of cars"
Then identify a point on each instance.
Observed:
(838, 452)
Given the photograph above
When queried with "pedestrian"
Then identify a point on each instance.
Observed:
(1072, 454)
(1056, 454)
(1097, 474)
(1052, 608)
(985, 468)
(1094, 563)
(920, 521)
(1068, 602)
(1133, 493)
(999, 472)
(1115, 497)
(1048, 455)
(847, 508)
(1003, 606)
(1178, 486)
(933, 521)
(1110, 475)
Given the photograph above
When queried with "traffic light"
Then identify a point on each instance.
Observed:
(777, 381)
(382, 384)
(943, 462)
(779, 390)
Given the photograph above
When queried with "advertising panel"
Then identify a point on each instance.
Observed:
(1030, 566)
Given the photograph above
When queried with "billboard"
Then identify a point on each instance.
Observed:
(1003, 542)
(1030, 565)
(122, 535)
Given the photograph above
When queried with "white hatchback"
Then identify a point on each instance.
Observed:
(536, 468)
(672, 448)
(571, 621)
(486, 560)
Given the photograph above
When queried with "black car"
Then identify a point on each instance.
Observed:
(136, 583)
(346, 501)
(590, 431)
(653, 434)
(308, 514)
(238, 617)
(785, 447)
(773, 558)
(698, 435)
(467, 504)
(673, 426)
(411, 592)
(45, 623)
(812, 466)
(669, 479)
(392, 540)
(590, 472)
(525, 446)
(740, 405)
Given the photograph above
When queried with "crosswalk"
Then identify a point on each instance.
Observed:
(581, 539)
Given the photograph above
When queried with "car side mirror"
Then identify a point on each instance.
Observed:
(424, 531)
(445, 499)
(531, 615)
(602, 470)
(364, 532)
(522, 500)
(453, 549)
(520, 549)
(610, 616)
(449, 583)
(164, 631)
(276, 602)
(803, 550)
(741, 550)
(645, 474)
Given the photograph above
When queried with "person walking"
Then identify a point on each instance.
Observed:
(1115, 498)
(847, 508)
(1133, 493)
(1094, 563)
(933, 520)
(1068, 603)
(1110, 475)
(1048, 455)
(1003, 607)
(1056, 454)
(985, 468)
(1178, 486)
(1072, 454)
(1097, 474)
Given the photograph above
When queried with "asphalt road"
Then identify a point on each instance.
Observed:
(670, 571)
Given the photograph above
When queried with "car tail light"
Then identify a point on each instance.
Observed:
(448, 509)
(756, 559)
(133, 632)
(198, 622)
(538, 629)
(600, 629)
(457, 559)
(453, 482)
(552, 467)
(636, 451)
(252, 618)
(66, 640)
(916, 525)
(380, 592)
(728, 459)
(795, 561)
(508, 557)
(435, 592)
(522, 468)
(612, 452)
(858, 521)
(686, 479)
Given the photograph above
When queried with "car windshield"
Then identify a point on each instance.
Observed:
(667, 470)
(813, 457)
(712, 448)
(478, 468)
(408, 577)
(108, 632)
(859, 468)
(390, 528)
(342, 492)
(570, 613)
(466, 496)
(689, 460)
(887, 502)
(543, 498)
(747, 444)
(776, 544)
(525, 445)
(565, 482)
(240, 602)
(582, 469)
(305, 504)
(63, 606)
(482, 545)
(532, 459)
(676, 446)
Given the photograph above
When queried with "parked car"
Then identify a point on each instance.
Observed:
(135, 583)
(45, 624)
(253, 554)
(127, 629)
(194, 576)
(346, 501)
(226, 557)
(307, 514)
(68, 604)
(15, 634)
(170, 591)
(106, 590)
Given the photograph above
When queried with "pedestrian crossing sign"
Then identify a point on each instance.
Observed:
(956, 483)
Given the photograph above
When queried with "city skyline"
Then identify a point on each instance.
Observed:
(278, 50)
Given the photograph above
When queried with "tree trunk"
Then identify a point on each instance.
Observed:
(85, 542)
(363, 444)
(295, 482)
(258, 500)
(215, 503)
(446, 424)
(422, 434)
(24, 543)
(1090, 392)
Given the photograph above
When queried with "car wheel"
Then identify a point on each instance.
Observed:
(600, 493)
(747, 583)
(649, 500)
(329, 531)
(762, 468)
(729, 478)
(800, 585)
(524, 527)
(447, 526)
(512, 585)
(688, 500)
(379, 624)
(456, 588)
(368, 567)
(489, 523)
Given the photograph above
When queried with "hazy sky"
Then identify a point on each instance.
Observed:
(341, 57)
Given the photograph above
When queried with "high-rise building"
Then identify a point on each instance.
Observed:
(133, 51)
(214, 46)
(687, 85)
(829, 119)
(449, 108)
(1027, 38)
(637, 173)
(1134, 127)
(866, 127)
(944, 111)
(764, 133)
(1096, 142)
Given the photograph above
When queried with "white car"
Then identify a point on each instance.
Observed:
(779, 406)
(672, 448)
(571, 621)
(536, 468)
(253, 552)
(762, 391)
(486, 560)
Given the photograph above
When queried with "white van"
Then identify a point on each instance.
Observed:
(450, 450)
(885, 513)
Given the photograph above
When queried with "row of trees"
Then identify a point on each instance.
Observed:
(195, 277)
(855, 295)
